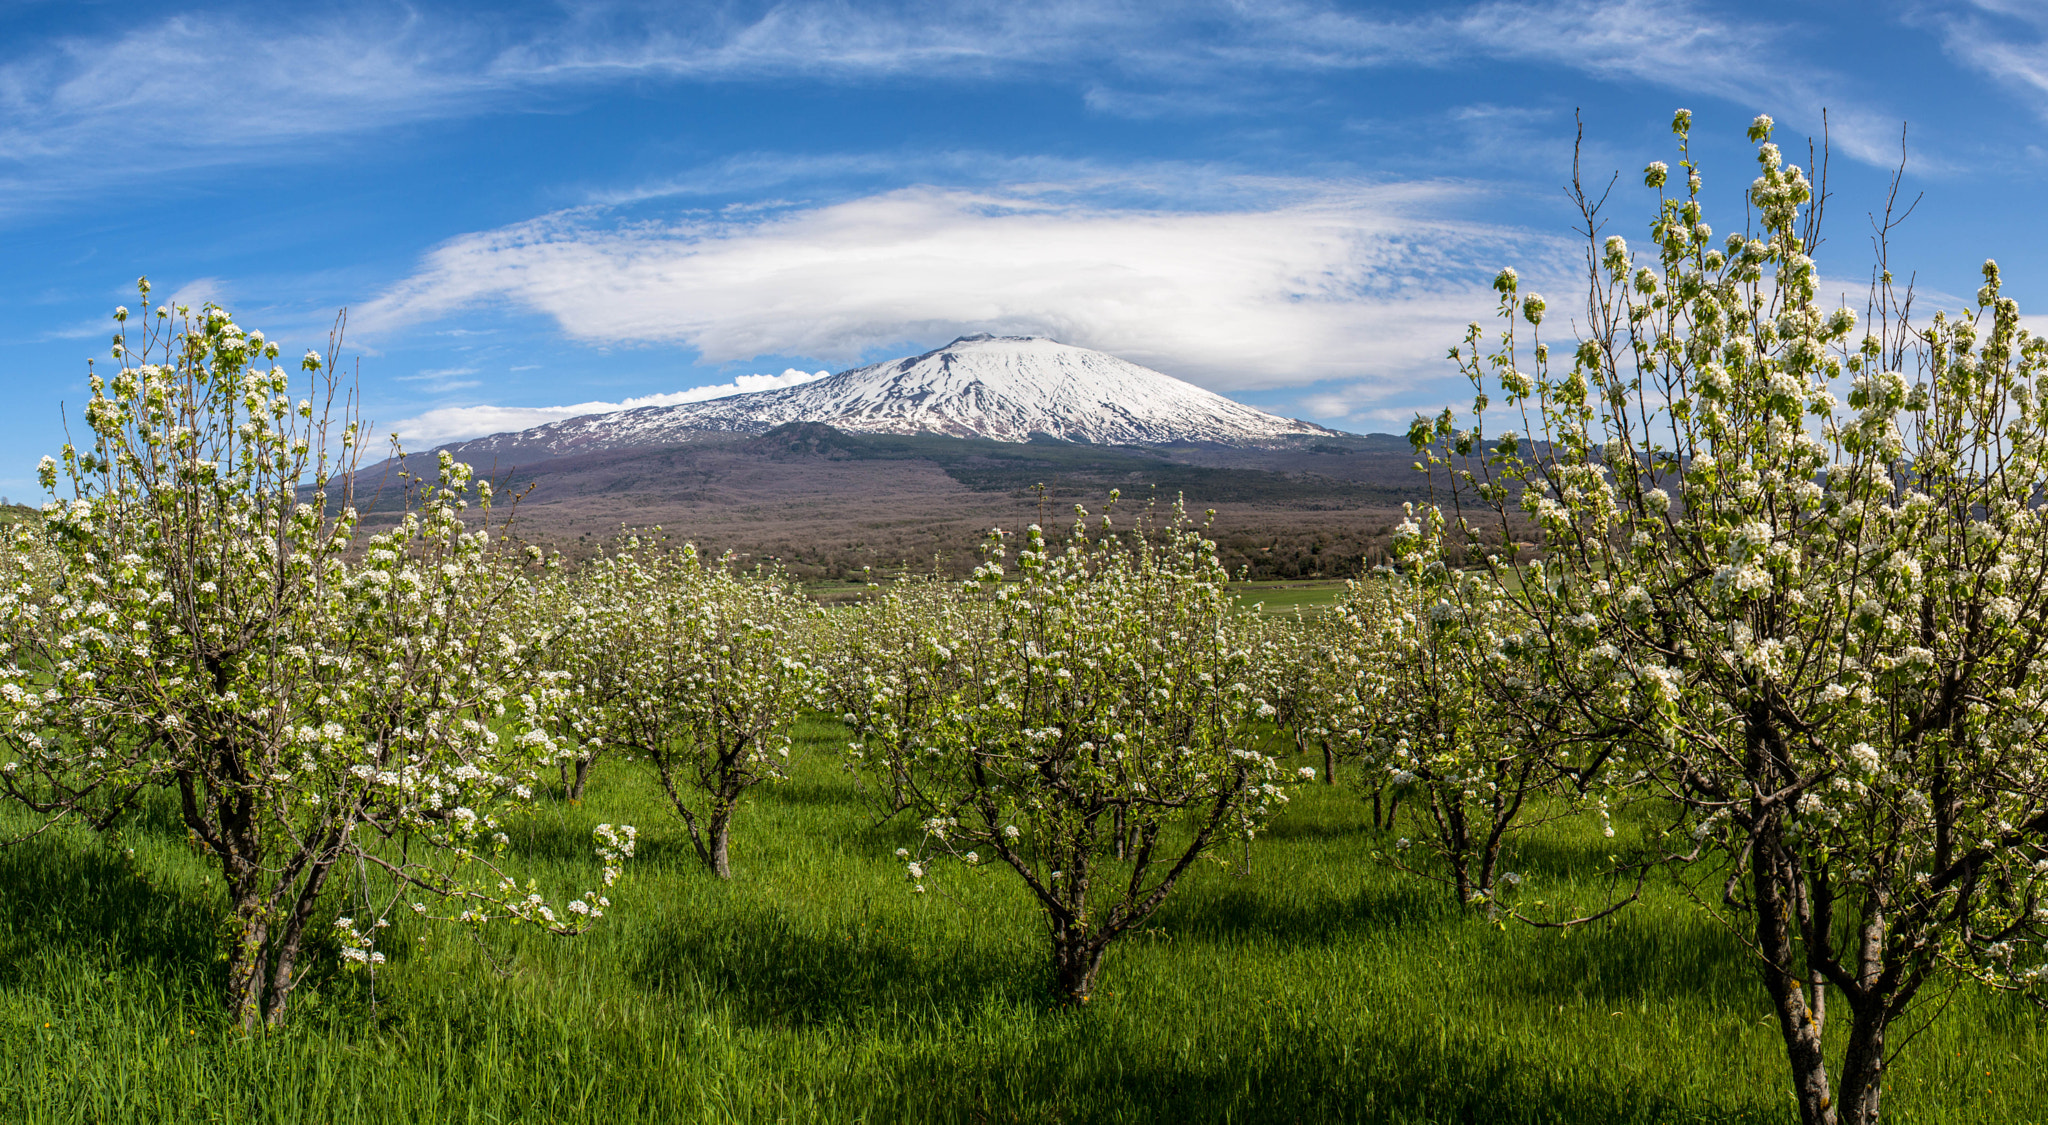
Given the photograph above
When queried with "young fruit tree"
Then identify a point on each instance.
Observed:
(1336, 687)
(695, 667)
(1802, 575)
(1101, 708)
(889, 676)
(1458, 722)
(1300, 674)
(325, 722)
(589, 671)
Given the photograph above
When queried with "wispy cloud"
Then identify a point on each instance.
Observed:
(1686, 48)
(455, 423)
(2007, 40)
(198, 293)
(192, 91)
(80, 330)
(1329, 281)
(227, 89)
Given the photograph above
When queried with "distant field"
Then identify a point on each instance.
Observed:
(829, 591)
(1287, 597)
(1271, 598)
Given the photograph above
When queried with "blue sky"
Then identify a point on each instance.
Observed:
(1298, 203)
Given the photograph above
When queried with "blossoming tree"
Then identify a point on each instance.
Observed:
(1102, 708)
(1301, 672)
(318, 718)
(1459, 718)
(1333, 684)
(1819, 623)
(695, 667)
(889, 674)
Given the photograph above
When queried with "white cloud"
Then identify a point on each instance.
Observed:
(455, 423)
(193, 91)
(2005, 39)
(1328, 281)
(1681, 46)
(225, 89)
(197, 294)
(102, 326)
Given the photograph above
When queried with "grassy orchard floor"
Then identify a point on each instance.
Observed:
(814, 987)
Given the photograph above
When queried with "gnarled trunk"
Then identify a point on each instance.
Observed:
(576, 775)
(248, 944)
(284, 977)
(719, 856)
(1863, 1068)
(1799, 1017)
(1076, 959)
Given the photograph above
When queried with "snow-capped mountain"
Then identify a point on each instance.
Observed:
(1008, 388)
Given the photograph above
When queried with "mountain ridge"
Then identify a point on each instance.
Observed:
(1002, 388)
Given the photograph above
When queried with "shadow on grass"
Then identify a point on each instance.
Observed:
(1389, 1075)
(811, 794)
(1235, 913)
(1553, 859)
(563, 834)
(778, 972)
(68, 898)
(1286, 827)
(1629, 959)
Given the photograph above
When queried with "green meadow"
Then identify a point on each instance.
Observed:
(1297, 981)
(1277, 598)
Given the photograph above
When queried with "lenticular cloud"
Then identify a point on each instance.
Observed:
(455, 423)
(1332, 282)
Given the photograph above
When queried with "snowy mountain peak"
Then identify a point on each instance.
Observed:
(1008, 388)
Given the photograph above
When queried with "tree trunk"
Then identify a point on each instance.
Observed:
(1797, 1021)
(720, 858)
(246, 948)
(284, 974)
(1457, 839)
(1863, 1067)
(278, 1003)
(582, 778)
(1075, 961)
(1330, 774)
(1489, 862)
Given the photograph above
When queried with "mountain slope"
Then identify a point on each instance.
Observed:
(1005, 388)
(826, 503)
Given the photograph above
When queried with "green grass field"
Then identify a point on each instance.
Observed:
(1317, 986)
(1274, 598)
